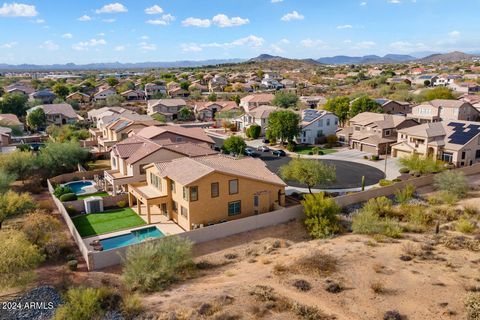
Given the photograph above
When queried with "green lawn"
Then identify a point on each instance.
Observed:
(108, 221)
(306, 149)
(98, 194)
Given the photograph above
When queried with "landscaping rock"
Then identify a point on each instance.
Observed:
(37, 304)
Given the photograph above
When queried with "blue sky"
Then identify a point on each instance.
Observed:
(83, 31)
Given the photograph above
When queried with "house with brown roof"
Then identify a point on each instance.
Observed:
(103, 94)
(152, 144)
(153, 89)
(78, 96)
(455, 142)
(58, 114)
(253, 101)
(317, 124)
(258, 115)
(169, 108)
(10, 120)
(394, 107)
(178, 92)
(5, 137)
(373, 132)
(205, 111)
(200, 191)
(444, 110)
(133, 95)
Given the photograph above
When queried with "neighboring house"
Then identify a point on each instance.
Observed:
(104, 94)
(397, 80)
(19, 88)
(253, 101)
(394, 107)
(455, 142)
(445, 80)
(206, 111)
(45, 96)
(200, 191)
(5, 137)
(131, 95)
(58, 114)
(444, 110)
(152, 144)
(468, 88)
(288, 84)
(373, 132)
(317, 124)
(313, 101)
(178, 92)
(152, 89)
(11, 120)
(271, 84)
(258, 115)
(169, 108)
(272, 75)
(217, 83)
(420, 80)
(96, 114)
(79, 97)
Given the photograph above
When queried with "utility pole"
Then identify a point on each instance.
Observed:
(386, 156)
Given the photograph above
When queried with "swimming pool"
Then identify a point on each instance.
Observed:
(82, 187)
(133, 237)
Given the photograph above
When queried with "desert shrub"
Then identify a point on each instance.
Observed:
(302, 285)
(392, 315)
(405, 194)
(374, 157)
(418, 218)
(377, 287)
(18, 258)
(155, 265)
(385, 182)
(291, 146)
(464, 225)
(131, 306)
(71, 210)
(367, 222)
(316, 263)
(68, 197)
(404, 170)
(316, 150)
(45, 205)
(121, 204)
(472, 304)
(453, 182)
(61, 190)
(442, 197)
(470, 210)
(254, 131)
(321, 215)
(83, 303)
(381, 206)
(46, 233)
(72, 265)
(12, 203)
(332, 140)
(420, 165)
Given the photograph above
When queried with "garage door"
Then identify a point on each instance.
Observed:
(369, 149)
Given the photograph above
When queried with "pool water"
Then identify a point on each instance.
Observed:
(133, 237)
(78, 187)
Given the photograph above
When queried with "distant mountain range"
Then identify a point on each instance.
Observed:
(426, 57)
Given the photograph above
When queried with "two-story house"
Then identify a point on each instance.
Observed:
(373, 132)
(45, 96)
(133, 95)
(317, 124)
(58, 114)
(206, 111)
(394, 107)
(455, 142)
(253, 101)
(258, 115)
(153, 89)
(200, 191)
(444, 110)
(104, 94)
(169, 108)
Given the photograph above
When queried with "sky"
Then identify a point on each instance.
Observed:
(86, 31)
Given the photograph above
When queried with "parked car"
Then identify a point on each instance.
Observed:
(263, 148)
(217, 148)
(251, 152)
(266, 140)
(279, 153)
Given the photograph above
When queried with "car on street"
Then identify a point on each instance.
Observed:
(263, 148)
(251, 153)
(279, 153)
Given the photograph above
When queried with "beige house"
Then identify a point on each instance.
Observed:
(11, 120)
(200, 191)
(258, 115)
(169, 108)
(455, 142)
(206, 111)
(253, 101)
(394, 107)
(5, 137)
(373, 132)
(79, 97)
(58, 114)
(444, 110)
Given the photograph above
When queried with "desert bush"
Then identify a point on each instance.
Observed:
(367, 222)
(380, 206)
(453, 182)
(154, 266)
(442, 197)
(83, 303)
(45, 205)
(61, 190)
(332, 140)
(302, 285)
(470, 210)
(131, 306)
(316, 263)
(121, 204)
(18, 258)
(12, 203)
(385, 182)
(464, 225)
(68, 197)
(72, 265)
(374, 157)
(472, 304)
(392, 315)
(404, 170)
(405, 194)
(418, 218)
(321, 215)
(419, 165)
(377, 287)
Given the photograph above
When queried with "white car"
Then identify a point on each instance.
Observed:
(263, 148)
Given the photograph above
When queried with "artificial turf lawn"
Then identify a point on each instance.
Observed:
(109, 221)
(98, 194)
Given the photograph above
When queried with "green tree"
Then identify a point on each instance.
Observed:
(436, 93)
(254, 131)
(418, 165)
(159, 117)
(57, 158)
(451, 181)
(235, 145)
(321, 215)
(14, 103)
(283, 125)
(6, 180)
(308, 172)
(185, 114)
(285, 99)
(36, 119)
(363, 104)
(212, 97)
(61, 90)
(12, 204)
(21, 164)
(185, 84)
(112, 81)
(114, 100)
(340, 106)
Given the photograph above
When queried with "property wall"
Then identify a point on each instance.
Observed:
(88, 175)
(110, 201)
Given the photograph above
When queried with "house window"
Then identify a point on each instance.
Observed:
(477, 154)
(328, 122)
(185, 193)
(320, 123)
(255, 201)
(234, 208)
(233, 186)
(156, 181)
(463, 155)
(447, 157)
(183, 212)
(215, 189)
(387, 133)
(178, 139)
(142, 170)
(114, 162)
(193, 193)
(172, 186)
(336, 121)
(174, 206)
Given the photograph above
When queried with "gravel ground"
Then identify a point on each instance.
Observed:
(37, 304)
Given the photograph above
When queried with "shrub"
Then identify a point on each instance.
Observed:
(404, 170)
(316, 150)
(374, 157)
(380, 206)
(71, 210)
(131, 306)
(321, 215)
(419, 165)
(367, 222)
(121, 204)
(12, 203)
(291, 146)
(316, 263)
(454, 182)
(72, 265)
(61, 190)
(405, 194)
(68, 197)
(472, 304)
(385, 182)
(155, 265)
(464, 225)
(377, 287)
(18, 258)
(254, 131)
(418, 218)
(82, 303)
(332, 140)
(302, 285)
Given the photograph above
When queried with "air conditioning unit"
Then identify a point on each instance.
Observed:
(93, 205)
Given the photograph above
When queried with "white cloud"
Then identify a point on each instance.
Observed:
(276, 48)
(144, 37)
(119, 48)
(163, 21)
(84, 18)
(85, 45)
(8, 45)
(49, 45)
(345, 26)
(284, 41)
(454, 34)
(310, 43)
(276, 1)
(223, 21)
(145, 46)
(112, 8)
(405, 46)
(395, 1)
(190, 47)
(108, 20)
(155, 9)
(40, 21)
(18, 10)
(362, 4)
(67, 36)
(251, 41)
(196, 22)
(294, 15)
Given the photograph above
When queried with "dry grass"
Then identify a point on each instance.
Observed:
(317, 263)
(378, 287)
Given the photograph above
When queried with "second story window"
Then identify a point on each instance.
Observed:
(172, 186)
(215, 189)
(193, 193)
(185, 193)
(387, 133)
(328, 122)
(233, 186)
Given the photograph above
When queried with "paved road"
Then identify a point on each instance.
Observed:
(349, 174)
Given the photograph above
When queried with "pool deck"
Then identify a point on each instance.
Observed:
(167, 227)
